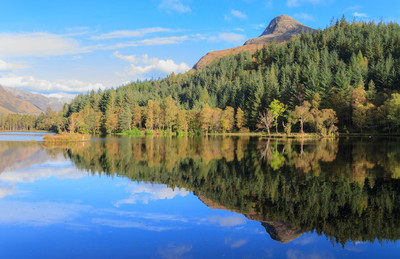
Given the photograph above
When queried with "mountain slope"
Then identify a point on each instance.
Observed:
(12, 104)
(280, 29)
(40, 101)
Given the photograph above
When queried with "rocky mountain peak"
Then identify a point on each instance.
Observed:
(280, 29)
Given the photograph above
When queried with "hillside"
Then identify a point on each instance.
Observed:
(10, 103)
(40, 101)
(280, 29)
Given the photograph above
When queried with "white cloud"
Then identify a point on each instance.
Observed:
(146, 65)
(127, 224)
(304, 16)
(228, 221)
(238, 14)
(174, 6)
(44, 86)
(148, 42)
(151, 192)
(130, 33)
(296, 3)
(5, 66)
(231, 37)
(360, 15)
(39, 44)
(235, 14)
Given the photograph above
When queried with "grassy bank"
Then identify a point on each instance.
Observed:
(65, 138)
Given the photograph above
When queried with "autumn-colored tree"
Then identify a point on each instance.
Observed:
(150, 115)
(181, 122)
(205, 118)
(137, 117)
(111, 120)
(393, 107)
(171, 111)
(228, 119)
(240, 121)
(303, 114)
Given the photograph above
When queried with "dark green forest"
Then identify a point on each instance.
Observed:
(346, 76)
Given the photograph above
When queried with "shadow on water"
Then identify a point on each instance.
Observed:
(347, 190)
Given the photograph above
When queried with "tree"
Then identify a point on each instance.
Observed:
(181, 122)
(228, 119)
(137, 117)
(265, 121)
(393, 107)
(303, 114)
(150, 115)
(277, 108)
(240, 121)
(171, 110)
(205, 118)
(125, 120)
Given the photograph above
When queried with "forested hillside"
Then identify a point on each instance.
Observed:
(349, 70)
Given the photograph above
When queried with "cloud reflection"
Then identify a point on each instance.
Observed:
(150, 192)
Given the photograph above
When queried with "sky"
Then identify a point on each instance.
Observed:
(66, 47)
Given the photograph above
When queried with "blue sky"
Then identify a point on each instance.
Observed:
(67, 47)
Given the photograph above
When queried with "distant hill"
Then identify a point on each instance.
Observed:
(280, 29)
(40, 101)
(22, 102)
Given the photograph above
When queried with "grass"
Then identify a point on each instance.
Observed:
(65, 138)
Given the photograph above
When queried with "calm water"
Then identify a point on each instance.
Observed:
(200, 198)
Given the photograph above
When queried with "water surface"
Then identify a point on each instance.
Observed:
(200, 198)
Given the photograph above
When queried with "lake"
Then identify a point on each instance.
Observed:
(200, 198)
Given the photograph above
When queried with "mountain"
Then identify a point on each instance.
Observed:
(10, 103)
(23, 102)
(40, 101)
(280, 29)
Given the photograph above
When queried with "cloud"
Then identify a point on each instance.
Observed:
(269, 4)
(231, 37)
(39, 213)
(44, 86)
(304, 16)
(174, 6)
(239, 243)
(148, 42)
(130, 33)
(173, 251)
(151, 192)
(39, 44)
(296, 3)
(228, 221)
(235, 14)
(360, 15)
(146, 65)
(127, 224)
(5, 66)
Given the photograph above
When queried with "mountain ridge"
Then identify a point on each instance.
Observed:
(280, 29)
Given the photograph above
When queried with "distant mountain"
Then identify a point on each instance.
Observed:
(9, 103)
(22, 102)
(40, 101)
(280, 29)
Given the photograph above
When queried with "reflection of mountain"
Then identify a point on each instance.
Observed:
(279, 231)
(17, 155)
(346, 191)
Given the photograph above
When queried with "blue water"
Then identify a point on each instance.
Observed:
(23, 136)
(51, 209)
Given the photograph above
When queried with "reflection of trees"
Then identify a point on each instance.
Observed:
(347, 190)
